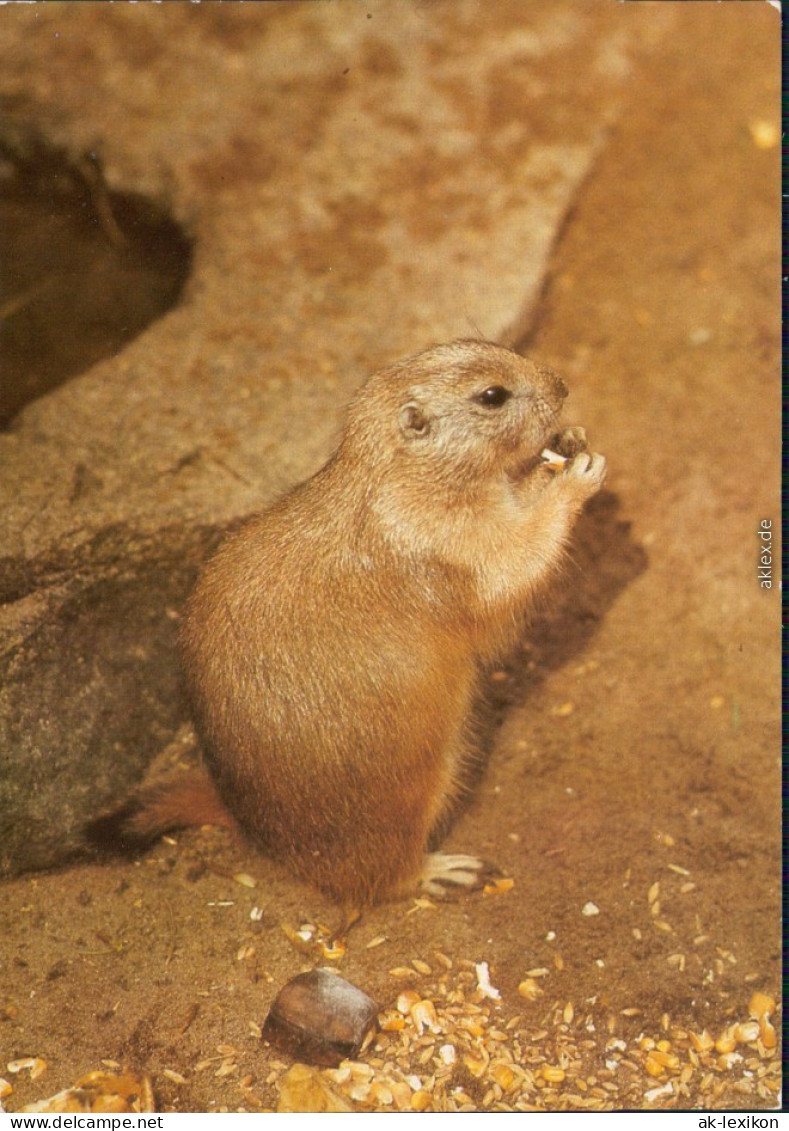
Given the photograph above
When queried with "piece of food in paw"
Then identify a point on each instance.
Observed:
(552, 461)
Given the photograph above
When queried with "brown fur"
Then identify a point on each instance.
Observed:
(333, 645)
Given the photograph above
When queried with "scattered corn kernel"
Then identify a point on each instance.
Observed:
(530, 989)
(760, 1005)
(499, 886)
(747, 1032)
(475, 1066)
(702, 1042)
(552, 1073)
(504, 1076)
(424, 1016)
(664, 1059)
(407, 1000)
(245, 880)
(421, 1100)
(766, 1032)
(727, 1041)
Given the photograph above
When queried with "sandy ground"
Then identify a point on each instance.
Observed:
(637, 765)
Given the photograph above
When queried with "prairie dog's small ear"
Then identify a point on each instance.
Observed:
(413, 420)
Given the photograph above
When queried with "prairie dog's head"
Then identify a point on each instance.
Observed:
(468, 408)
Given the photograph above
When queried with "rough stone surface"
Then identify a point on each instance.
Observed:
(320, 1017)
(359, 181)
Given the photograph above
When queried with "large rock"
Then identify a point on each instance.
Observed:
(359, 180)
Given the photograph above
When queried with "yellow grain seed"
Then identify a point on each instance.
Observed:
(686, 1074)
(653, 1066)
(654, 910)
(727, 1041)
(702, 1042)
(392, 1023)
(402, 972)
(760, 1005)
(631, 1011)
(176, 1077)
(679, 871)
(6, 1089)
(568, 1013)
(420, 966)
(19, 1065)
(421, 1100)
(381, 1094)
(377, 941)
(747, 1032)
(646, 1044)
(558, 961)
(538, 972)
(664, 1046)
(444, 960)
(552, 1073)
(475, 1066)
(407, 1000)
(653, 892)
(530, 989)
(766, 1032)
(245, 880)
(504, 1076)
(499, 886)
(725, 1061)
(38, 1068)
(662, 925)
(401, 1093)
(686, 888)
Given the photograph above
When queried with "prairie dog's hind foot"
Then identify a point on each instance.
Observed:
(444, 874)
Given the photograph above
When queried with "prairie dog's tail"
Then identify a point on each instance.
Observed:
(188, 800)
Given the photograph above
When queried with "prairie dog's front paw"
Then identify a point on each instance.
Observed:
(586, 472)
(570, 442)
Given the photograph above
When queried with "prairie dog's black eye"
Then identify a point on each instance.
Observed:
(493, 397)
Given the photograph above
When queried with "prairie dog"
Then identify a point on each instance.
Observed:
(333, 646)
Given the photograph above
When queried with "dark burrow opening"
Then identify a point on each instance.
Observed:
(83, 270)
